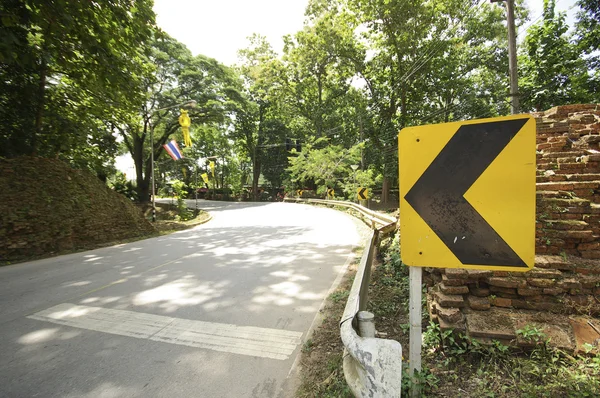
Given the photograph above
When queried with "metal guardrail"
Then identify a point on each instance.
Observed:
(382, 219)
(372, 366)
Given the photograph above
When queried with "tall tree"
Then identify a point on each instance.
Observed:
(64, 66)
(177, 78)
(553, 71)
(256, 67)
(588, 35)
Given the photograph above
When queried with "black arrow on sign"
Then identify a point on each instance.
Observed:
(438, 195)
(361, 194)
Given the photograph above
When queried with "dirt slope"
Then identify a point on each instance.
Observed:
(46, 207)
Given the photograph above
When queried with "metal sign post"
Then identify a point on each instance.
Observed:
(414, 357)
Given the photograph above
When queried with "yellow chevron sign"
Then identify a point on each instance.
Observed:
(468, 194)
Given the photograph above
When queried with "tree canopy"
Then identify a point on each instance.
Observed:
(84, 82)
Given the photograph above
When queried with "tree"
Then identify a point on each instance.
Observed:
(553, 71)
(587, 30)
(177, 78)
(326, 166)
(65, 67)
(256, 65)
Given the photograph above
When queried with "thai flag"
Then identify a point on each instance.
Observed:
(173, 150)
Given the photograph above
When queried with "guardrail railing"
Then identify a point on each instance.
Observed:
(372, 366)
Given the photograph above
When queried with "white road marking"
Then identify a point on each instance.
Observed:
(244, 340)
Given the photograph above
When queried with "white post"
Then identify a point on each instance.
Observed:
(415, 276)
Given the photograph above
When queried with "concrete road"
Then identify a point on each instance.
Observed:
(217, 311)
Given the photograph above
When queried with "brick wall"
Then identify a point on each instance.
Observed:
(566, 276)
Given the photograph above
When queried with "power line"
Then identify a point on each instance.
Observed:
(433, 52)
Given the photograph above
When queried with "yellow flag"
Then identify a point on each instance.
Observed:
(184, 172)
(212, 167)
(185, 123)
(205, 178)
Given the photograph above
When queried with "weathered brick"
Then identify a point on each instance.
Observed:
(553, 291)
(590, 254)
(456, 273)
(539, 282)
(479, 291)
(544, 273)
(476, 274)
(506, 282)
(529, 291)
(451, 315)
(453, 289)
(478, 303)
(449, 300)
(522, 304)
(499, 289)
(589, 282)
(502, 302)
(569, 284)
(453, 282)
(588, 246)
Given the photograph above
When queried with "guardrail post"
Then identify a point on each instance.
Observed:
(366, 324)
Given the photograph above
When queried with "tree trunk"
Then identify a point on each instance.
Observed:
(40, 106)
(256, 163)
(385, 191)
(142, 178)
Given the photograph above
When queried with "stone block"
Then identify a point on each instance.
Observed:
(456, 273)
(449, 300)
(584, 332)
(591, 254)
(529, 291)
(544, 273)
(450, 315)
(478, 303)
(539, 282)
(455, 326)
(569, 283)
(506, 282)
(476, 274)
(559, 335)
(479, 291)
(453, 289)
(507, 290)
(553, 291)
(501, 302)
(491, 324)
(453, 282)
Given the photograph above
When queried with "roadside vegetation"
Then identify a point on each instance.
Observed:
(86, 82)
(454, 365)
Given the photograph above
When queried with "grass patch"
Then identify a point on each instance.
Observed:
(321, 373)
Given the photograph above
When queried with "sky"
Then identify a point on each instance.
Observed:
(219, 28)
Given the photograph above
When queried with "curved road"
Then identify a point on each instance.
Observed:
(220, 310)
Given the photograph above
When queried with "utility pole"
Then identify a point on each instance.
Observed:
(512, 55)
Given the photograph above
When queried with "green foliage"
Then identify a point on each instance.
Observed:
(553, 70)
(66, 68)
(119, 183)
(324, 164)
(339, 295)
(180, 189)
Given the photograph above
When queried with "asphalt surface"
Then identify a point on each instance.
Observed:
(220, 310)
